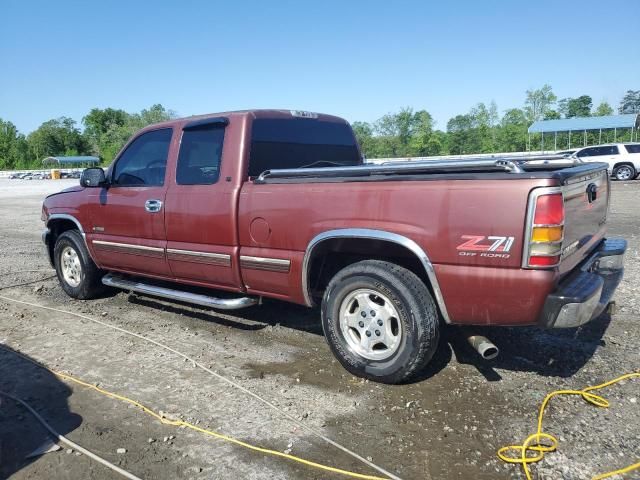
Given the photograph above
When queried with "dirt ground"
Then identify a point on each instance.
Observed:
(448, 425)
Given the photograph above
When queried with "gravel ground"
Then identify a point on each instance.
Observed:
(448, 425)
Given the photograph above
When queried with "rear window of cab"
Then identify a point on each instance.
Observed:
(300, 143)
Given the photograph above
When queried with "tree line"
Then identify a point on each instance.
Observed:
(104, 132)
(410, 133)
(406, 133)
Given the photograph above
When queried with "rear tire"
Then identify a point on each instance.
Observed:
(380, 321)
(79, 277)
(624, 172)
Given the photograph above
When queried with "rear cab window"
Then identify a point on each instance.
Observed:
(298, 142)
(200, 155)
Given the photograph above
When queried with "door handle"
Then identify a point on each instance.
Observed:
(153, 206)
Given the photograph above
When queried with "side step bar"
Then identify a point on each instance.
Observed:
(117, 281)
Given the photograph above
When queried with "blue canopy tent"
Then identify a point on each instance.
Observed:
(586, 124)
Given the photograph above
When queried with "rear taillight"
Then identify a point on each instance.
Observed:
(546, 231)
(549, 210)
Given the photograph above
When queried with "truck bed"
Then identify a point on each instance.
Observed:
(440, 210)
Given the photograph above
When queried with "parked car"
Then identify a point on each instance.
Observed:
(623, 158)
(278, 204)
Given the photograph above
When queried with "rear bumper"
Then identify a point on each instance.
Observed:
(585, 293)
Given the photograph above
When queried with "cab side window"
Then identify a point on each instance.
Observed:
(609, 150)
(200, 155)
(633, 147)
(587, 152)
(144, 162)
(599, 151)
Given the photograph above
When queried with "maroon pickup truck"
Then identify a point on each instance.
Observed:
(279, 204)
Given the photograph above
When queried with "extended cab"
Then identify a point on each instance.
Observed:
(274, 203)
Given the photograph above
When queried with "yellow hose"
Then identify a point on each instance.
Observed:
(199, 365)
(533, 449)
(182, 423)
(226, 438)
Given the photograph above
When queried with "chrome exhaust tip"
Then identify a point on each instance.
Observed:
(485, 347)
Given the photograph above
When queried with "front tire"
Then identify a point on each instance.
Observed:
(79, 277)
(380, 321)
(624, 172)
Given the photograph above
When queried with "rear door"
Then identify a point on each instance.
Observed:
(201, 206)
(127, 231)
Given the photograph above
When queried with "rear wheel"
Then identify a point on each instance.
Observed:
(380, 321)
(79, 277)
(624, 172)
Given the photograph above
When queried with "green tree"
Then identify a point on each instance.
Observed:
(108, 130)
(563, 107)
(630, 103)
(460, 138)
(405, 133)
(437, 144)
(154, 114)
(422, 142)
(56, 137)
(484, 131)
(96, 124)
(364, 134)
(513, 131)
(13, 147)
(603, 109)
(388, 136)
(539, 102)
(579, 107)
(575, 107)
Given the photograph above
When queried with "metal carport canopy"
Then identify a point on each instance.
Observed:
(575, 124)
(71, 160)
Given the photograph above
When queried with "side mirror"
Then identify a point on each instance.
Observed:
(93, 177)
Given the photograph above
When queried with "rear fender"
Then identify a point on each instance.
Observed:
(355, 233)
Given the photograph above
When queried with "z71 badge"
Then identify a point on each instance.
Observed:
(483, 246)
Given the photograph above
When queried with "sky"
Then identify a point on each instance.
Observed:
(358, 59)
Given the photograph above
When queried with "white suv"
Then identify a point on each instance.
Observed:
(623, 158)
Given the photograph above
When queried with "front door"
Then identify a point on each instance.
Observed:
(127, 231)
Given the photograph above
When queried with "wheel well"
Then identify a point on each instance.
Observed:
(56, 228)
(619, 164)
(332, 255)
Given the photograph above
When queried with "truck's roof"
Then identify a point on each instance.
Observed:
(254, 113)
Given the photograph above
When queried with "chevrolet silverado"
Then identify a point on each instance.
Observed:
(279, 204)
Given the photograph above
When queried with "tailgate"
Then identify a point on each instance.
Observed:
(586, 203)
